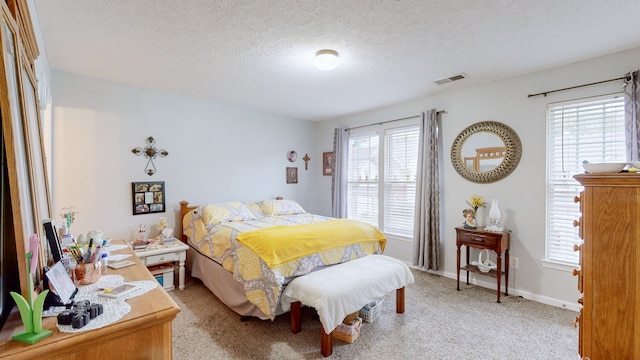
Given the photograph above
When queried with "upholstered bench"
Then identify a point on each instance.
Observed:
(343, 289)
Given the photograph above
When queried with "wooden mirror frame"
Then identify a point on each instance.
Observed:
(27, 177)
(509, 163)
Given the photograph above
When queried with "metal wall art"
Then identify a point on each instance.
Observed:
(150, 152)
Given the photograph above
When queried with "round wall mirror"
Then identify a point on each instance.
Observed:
(486, 152)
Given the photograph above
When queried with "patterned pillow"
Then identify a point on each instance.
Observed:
(254, 209)
(281, 207)
(225, 212)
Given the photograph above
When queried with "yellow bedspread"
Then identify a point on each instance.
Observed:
(281, 244)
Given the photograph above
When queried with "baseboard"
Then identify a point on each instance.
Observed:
(512, 292)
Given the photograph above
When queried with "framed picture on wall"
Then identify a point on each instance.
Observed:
(292, 175)
(148, 197)
(327, 163)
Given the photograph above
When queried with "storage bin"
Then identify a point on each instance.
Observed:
(164, 275)
(348, 332)
(371, 311)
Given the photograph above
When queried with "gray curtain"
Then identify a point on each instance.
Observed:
(632, 127)
(339, 173)
(426, 242)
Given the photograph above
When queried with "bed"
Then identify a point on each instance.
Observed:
(246, 253)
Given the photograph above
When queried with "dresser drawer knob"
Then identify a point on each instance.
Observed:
(162, 258)
(577, 247)
(576, 199)
(576, 272)
(576, 223)
(576, 321)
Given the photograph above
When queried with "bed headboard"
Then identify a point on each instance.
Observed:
(184, 209)
(485, 154)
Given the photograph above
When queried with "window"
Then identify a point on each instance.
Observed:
(591, 130)
(381, 180)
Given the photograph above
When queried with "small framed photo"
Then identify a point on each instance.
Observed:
(148, 197)
(327, 163)
(292, 175)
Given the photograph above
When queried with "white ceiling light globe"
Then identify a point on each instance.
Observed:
(326, 59)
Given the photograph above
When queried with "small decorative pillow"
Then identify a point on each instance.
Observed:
(225, 212)
(281, 207)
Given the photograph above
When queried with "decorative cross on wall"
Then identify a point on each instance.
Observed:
(150, 152)
(306, 159)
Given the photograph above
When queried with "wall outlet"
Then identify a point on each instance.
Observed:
(514, 262)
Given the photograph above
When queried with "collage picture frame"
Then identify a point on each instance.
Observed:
(148, 197)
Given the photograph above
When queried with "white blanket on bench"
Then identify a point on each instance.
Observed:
(345, 288)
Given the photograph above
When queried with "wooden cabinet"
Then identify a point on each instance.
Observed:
(144, 333)
(609, 274)
(175, 253)
(483, 239)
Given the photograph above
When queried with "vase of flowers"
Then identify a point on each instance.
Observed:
(477, 202)
(68, 215)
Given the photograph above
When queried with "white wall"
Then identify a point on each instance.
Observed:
(216, 152)
(522, 194)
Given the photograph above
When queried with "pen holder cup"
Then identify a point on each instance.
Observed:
(87, 273)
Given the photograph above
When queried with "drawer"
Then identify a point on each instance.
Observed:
(470, 238)
(162, 258)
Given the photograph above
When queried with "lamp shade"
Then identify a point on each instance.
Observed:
(326, 59)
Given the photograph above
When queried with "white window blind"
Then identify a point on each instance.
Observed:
(381, 179)
(590, 130)
(362, 178)
(401, 160)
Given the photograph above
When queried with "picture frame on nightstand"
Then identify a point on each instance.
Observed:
(148, 197)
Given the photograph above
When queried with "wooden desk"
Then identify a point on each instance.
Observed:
(482, 239)
(144, 333)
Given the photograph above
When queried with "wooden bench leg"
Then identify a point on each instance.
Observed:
(296, 321)
(326, 342)
(400, 300)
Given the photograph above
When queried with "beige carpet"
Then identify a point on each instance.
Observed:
(439, 323)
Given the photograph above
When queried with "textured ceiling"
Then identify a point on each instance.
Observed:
(259, 54)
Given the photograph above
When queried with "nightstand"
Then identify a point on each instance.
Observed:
(497, 241)
(166, 254)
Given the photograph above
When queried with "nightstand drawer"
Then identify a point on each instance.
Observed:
(472, 238)
(162, 258)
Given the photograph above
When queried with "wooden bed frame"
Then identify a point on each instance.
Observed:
(184, 209)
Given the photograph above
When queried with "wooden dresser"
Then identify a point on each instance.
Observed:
(144, 333)
(609, 275)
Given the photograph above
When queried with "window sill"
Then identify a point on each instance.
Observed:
(557, 265)
(398, 237)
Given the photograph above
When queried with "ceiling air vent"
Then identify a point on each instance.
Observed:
(451, 78)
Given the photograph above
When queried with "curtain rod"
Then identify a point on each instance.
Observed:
(579, 86)
(388, 121)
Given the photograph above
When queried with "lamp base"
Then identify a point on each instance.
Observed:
(32, 338)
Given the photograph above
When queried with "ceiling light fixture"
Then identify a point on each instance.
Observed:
(326, 59)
